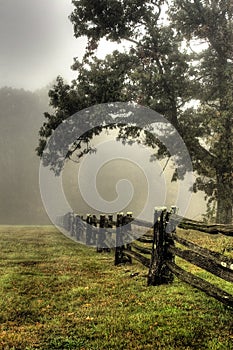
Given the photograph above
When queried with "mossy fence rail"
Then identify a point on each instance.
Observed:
(157, 248)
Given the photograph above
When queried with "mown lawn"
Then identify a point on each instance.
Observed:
(57, 294)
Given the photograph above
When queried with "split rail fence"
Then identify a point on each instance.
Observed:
(157, 248)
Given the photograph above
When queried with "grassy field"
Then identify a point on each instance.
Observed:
(56, 294)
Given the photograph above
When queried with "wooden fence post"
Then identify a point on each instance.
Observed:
(127, 221)
(171, 221)
(109, 224)
(101, 234)
(158, 271)
(71, 219)
(67, 221)
(75, 226)
(93, 222)
(168, 256)
(88, 230)
(119, 240)
(77, 233)
(82, 235)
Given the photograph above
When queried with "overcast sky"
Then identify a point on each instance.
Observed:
(36, 42)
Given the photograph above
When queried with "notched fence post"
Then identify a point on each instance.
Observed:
(159, 273)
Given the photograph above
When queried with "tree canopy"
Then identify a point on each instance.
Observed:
(180, 52)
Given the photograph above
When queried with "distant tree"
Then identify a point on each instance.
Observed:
(161, 70)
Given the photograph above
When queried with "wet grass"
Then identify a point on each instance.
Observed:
(56, 294)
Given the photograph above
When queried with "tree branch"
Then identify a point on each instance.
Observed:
(165, 166)
(131, 40)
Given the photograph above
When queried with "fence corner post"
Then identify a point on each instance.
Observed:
(158, 271)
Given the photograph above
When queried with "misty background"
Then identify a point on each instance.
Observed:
(37, 44)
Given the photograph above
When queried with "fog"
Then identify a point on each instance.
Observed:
(149, 182)
(37, 44)
(21, 116)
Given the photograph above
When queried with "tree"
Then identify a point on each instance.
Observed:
(212, 23)
(160, 72)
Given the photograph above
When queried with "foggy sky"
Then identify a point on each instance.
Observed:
(36, 42)
(36, 45)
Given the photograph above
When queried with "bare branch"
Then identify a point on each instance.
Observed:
(165, 166)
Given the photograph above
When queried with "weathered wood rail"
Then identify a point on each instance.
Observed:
(157, 248)
(164, 250)
(202, 227)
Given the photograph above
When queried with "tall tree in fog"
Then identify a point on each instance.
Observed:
(162, 70)
(211, 22)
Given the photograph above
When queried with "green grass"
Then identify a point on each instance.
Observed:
(56, 294)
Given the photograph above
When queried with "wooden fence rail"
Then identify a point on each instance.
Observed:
(202, 227)
(157, 249)
(162, 265)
